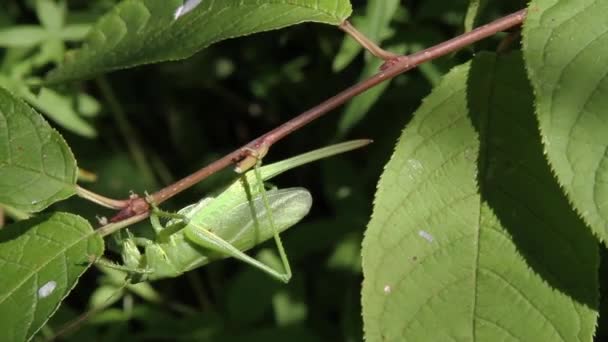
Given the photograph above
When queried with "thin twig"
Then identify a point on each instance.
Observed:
(404, 64)
(396, 66)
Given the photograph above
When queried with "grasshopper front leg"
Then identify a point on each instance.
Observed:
(131, 257)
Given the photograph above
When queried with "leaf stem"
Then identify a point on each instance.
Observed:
(365, 42)
(99, 199)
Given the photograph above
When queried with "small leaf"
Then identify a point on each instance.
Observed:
(22, 36)
(37, 167)
(51, 14)
(566, 49)
(150, 31)
(475, 7)
(471, 239)
(41, 260)
(75, 32)
(60, 109)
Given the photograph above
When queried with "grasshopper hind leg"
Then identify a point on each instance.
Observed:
(277, 237)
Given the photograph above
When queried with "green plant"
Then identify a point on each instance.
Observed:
(485, 221)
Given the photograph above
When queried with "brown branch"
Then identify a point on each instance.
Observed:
(392, 68)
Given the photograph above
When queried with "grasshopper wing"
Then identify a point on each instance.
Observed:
(238, 225)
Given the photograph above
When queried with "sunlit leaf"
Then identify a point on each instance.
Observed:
(141, 32)
(566, 50)
(471, 238)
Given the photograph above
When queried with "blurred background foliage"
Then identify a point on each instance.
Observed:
(142, 128)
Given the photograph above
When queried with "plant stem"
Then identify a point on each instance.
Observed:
(138, 207)
(401, 64)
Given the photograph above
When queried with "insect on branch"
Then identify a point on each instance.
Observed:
(394, 65)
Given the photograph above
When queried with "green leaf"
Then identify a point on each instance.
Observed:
(565, 46)
(51, 14)
(37, 167)
(41, 260)
(22, 36)
(375, 26)
(75, 32)
(60, 109)
(149, 31)
(471, 237)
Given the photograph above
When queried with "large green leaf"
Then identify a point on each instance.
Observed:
(37, 167)
(565, 46)
(41, 260)
(147, 31)
(471, 238)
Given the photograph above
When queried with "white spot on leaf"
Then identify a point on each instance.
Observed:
(415, 168)
(188, 6)
(387, 289)
(415, 164)
(425, 235)
(47, 289)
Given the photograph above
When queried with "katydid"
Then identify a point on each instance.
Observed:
(242, 216)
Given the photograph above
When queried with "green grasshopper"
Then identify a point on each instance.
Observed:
(227, 225)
